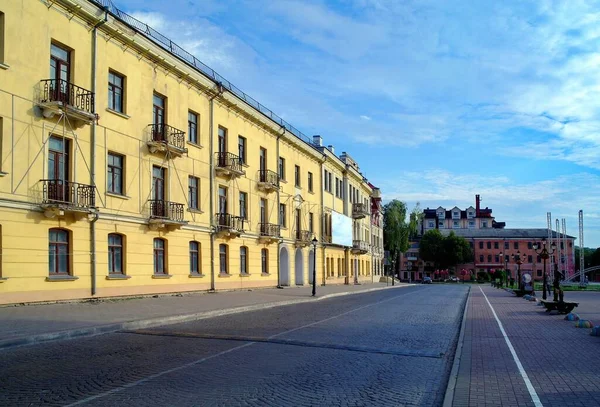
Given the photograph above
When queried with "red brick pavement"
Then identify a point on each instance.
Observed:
(561, 361)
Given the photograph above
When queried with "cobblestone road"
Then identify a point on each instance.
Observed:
(392, 347)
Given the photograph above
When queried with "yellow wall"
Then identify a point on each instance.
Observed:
(30, 28)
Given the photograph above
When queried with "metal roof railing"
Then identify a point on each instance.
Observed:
(182, 54)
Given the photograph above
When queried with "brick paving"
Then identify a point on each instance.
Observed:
(24, 321)
(561, 361)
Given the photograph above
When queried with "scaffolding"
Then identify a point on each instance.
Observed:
(549, 219)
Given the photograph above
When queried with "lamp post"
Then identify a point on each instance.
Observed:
(517, 259)
(544, 253)
(505, 258)
(314, 243)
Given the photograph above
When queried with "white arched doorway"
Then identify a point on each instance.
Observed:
(299, 267)
(311, 266)
(284, 267)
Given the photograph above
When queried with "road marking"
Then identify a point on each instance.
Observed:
(196, 362)
(534, 396)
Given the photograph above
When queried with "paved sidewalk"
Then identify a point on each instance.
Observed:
(560, 361)
(38, 323)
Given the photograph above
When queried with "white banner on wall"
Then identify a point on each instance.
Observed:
(341, 229)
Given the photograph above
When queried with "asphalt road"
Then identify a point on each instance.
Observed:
(390, 347)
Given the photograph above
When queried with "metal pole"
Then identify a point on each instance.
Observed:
(314, 287)
(545, 280)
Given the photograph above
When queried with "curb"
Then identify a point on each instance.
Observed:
(449, 396)
(169, 320)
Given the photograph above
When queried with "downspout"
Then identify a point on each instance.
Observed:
(211, 184)
(279, 241)
(323, 219)
(93, 153)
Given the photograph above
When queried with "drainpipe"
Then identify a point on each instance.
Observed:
(211, 185)
(93, 154)
(323, 219)
(279, 241)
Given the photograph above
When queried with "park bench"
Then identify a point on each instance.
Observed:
(563, 307)
(520, 293)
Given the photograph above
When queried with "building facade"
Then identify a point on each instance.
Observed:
(494, 246)
(129, 167)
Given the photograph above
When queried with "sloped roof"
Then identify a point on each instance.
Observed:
(492, 233)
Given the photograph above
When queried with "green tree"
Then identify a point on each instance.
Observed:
(415, 219)
(395, 229)
(431, 248)
(444, 252)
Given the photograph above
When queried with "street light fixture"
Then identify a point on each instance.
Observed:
(314, 243)
(505, 258)
(544, 253)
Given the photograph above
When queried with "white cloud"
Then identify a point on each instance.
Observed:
(365, 117)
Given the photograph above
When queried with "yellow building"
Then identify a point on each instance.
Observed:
(129, 167)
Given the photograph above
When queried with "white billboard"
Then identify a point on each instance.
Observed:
(341, 226)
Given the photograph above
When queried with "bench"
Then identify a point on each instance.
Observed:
(563, 307)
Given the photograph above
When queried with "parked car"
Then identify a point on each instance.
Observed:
(427, 280)
(454, 279)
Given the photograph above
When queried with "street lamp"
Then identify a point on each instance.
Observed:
(502, 256)
(314, 243)
(544, 253)
(517, 259)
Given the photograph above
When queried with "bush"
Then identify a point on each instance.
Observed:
(483, 275)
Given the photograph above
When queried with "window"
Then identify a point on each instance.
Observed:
(455, 224)
(115, 253)
(311, 218)
(456, 215)
(431, 224)
(516, 245)
(282, 168)
(562, 245)
(223, 266)
(310, 182)
(489, 258)
(539, 273)
(530, 245)
(1, 38)
(193, 192)
(329, 182)
(115, 173)
(60, 60)
(59, 249)
(160, 266)
(242, 149)
(497, 259)
(297, 176)
(506, 245)
(489, 245)
(337, 187)
(530, 258)
(481, 245)
(263, 210)
(506, 257)
(116, 87)
(471, 244)
(264, 261)
(282, 216)
(244, 205)
(441, 224)
(325, 178)
(195, 258)
(192, 127)
(484, 224)
(539, 259)
(495, 245)
(243, 260)
(471, 224)
(222, 142)
(481, 258)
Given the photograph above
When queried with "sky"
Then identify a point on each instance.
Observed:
(436, 100)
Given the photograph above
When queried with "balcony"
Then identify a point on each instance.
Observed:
(57, 96)
(228, 225)
(268, 181)
(303, 238)
(269, 232)
(228, 165)
(360, 247)
(165, 214)
(166, 139)
(60, 197)
(360, 210)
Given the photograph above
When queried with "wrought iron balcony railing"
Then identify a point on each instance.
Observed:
(360, 246)
(229, 162)
(268, 179)
(167, 210)
(226, 221)
(58, 90)
(304, 236)
(163, 133)
(269, 229)
(360, 210)
(68, 194)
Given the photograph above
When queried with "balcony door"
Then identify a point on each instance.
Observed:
(59, 73)
(158, 191)
(263, 165)
(298, 224)
(222, 200)
(58, 169)
(158, 117)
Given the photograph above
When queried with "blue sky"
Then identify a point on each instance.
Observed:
(436, 100)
